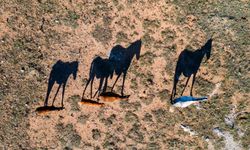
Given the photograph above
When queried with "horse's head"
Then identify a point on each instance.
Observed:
(135, 48)
(74, 68)
(207, 48)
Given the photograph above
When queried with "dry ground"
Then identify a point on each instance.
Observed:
(34, 34)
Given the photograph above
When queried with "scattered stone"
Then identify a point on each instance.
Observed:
(188, 129)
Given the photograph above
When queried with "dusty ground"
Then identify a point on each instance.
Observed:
(34, 34)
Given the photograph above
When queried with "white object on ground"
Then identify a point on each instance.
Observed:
(230, 144)
(217, 86)
(188, 129)
(185, 101)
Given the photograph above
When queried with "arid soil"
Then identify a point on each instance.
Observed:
(35, 34)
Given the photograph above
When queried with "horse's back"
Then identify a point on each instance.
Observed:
(187, 63)
(117, 53)
(102, 67)
(58, 71)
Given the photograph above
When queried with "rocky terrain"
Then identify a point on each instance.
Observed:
(35, 34)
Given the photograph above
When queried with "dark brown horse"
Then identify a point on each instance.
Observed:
(101, 69)
(123, 58)
(188, 64)
(60, 73)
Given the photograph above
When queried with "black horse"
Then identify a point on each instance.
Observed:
(60, 73)
(188, 63)
(123, 58)
(101, 69)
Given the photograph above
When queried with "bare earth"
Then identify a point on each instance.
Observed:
(34, 34)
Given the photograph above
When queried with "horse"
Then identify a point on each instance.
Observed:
(60, 73)
(101, 69)
(188, 64)
(123, 58)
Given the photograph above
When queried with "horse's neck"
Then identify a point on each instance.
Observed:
(130, 55)
(70, 70)
(199, 54)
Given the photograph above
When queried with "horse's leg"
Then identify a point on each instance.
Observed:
(96, 92)
(91, 87)
(177, 74)
(63, 93)
(118, 76)
(85, 88)
(185, 86)
(173, 90)
(105, 84)
(176, 79)
(123, 82)
(99, 88)
(50, 85)
(56, 94)
(191, 92)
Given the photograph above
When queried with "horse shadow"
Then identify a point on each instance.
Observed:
(111, 97)
(101, 69)
(59, 74)
(45, 109)
(122, 58)
(90, 102)
(188, 64)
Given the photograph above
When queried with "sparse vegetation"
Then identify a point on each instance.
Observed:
(35, 34)
(68, 136)
(74, 102)
(71, 19)
(168, 35)
(102, 34)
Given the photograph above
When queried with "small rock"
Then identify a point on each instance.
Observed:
(22, 70)
(218, 132)
(83, 119)
(188, 129)
(33, 73)
(171, 109)
(240, 133)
